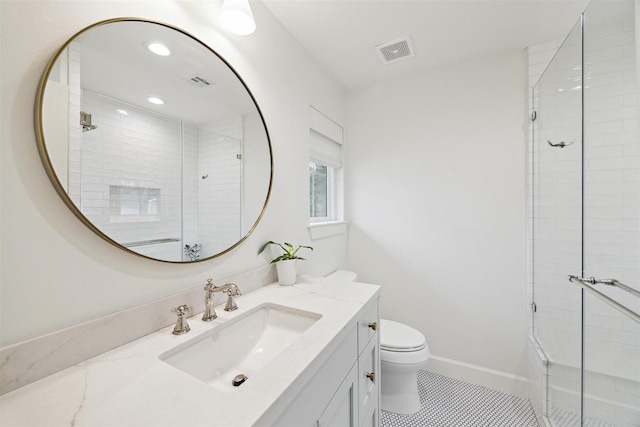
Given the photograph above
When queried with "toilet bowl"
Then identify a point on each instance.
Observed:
(403, 351)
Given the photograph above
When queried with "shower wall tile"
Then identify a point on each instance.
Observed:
(191, 180)
(75, 133)
(220, 194)
(144, 150)
(139, 150)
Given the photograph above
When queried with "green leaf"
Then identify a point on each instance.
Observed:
(287, 248)
(265, 246)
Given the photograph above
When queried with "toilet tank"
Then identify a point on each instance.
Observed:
(350, 276)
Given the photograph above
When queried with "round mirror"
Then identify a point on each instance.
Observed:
(153, 141)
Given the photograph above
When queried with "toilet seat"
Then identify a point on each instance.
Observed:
(398, 337)
(403, 352)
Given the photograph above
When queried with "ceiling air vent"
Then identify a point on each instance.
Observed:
(395, 50)
(199, 81)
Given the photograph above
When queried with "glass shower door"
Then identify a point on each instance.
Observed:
(611, 236)
(586, 222)
(557, 227)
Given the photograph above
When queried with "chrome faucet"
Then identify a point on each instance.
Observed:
(230, 289)
(182, 327)
(209, 312)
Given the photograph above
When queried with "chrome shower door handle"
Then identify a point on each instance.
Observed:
(588, 284)
(608, 282)
(586, 280)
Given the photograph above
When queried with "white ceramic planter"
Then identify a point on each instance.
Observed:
(287, 271)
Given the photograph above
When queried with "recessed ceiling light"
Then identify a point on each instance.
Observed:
(123, 112)
(159, 49)
(154, 100)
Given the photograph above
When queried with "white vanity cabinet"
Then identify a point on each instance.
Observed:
(342, 410)
(369, 367)
(345, 391)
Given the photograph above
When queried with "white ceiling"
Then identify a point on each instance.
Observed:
(115, 62)
(341, 35)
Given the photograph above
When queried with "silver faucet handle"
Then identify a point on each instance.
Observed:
(181, 310)
(209, 312)
(209, 286)
(232, 291)
(182, 327)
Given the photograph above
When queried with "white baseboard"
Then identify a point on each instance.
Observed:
(501, 381)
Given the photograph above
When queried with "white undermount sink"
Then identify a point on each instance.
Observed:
(243, 345)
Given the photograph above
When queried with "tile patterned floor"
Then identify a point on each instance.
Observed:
(562, 418)
(447, 402)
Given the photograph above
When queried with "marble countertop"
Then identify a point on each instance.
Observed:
(131, 386)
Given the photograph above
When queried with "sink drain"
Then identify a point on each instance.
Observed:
(238, 380)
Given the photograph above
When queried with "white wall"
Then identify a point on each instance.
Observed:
(436, 201)
(55, 272)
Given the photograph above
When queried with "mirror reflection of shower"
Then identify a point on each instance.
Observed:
(141, 179)
(126, 137)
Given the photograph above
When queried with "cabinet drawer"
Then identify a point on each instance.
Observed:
(371, 417)
(368, 325)
(342, 410)
(368, 382)
(312, 399)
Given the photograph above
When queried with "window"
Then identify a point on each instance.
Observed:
(325, 169)
(320, 192)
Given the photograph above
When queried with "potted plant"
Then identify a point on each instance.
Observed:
(286, 262)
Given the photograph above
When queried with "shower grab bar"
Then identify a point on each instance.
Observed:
(151, 242)
(585, 283)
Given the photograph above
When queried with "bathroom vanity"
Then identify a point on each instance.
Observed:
(320, 368)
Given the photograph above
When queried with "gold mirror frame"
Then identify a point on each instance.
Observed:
(47, 163)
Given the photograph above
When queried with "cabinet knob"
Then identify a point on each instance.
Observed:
(371, 376)
(373, 325)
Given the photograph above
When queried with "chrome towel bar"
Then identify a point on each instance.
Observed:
(151, 242)
(608, 282)
(587, 283)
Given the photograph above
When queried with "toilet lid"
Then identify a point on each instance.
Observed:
(396, 336)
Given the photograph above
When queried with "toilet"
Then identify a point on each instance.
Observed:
(403, 351)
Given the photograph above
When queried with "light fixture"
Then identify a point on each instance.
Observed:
(123, 112)
(159, 49)
(236, 17)
(154, 100)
